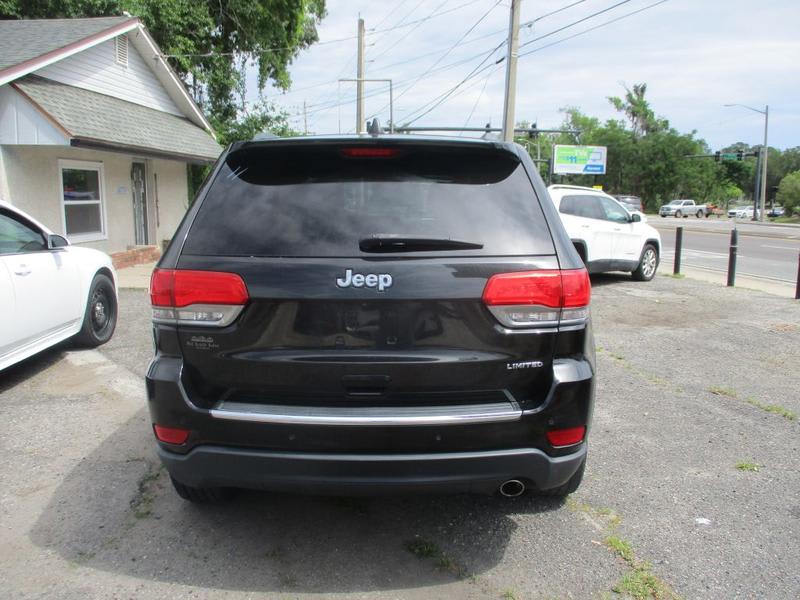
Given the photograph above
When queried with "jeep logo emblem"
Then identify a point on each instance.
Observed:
(381, 281)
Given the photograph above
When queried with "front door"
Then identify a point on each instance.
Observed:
(139, 203)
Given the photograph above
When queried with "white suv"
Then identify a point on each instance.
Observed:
(606, 235)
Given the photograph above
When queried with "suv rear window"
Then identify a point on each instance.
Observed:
(316, 201)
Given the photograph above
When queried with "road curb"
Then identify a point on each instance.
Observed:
(728, 232)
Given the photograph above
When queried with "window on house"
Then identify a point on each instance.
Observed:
(82, 197)
(121, 49)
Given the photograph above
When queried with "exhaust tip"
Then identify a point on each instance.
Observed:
(512, 488)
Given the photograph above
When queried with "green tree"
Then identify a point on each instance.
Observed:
(637, 110)
(789, 193)
(213, 39)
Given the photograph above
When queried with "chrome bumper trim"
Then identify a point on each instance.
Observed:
(369, 416)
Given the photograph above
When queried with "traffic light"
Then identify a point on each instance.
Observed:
(740, 155)
(717, 156)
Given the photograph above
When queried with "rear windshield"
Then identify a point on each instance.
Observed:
(320, 202)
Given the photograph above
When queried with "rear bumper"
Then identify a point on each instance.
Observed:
(353, 474)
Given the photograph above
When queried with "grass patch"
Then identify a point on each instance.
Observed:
(142, 502)
(775, 409)
(509, 595)
(424, 549)
(677, 275)
(641, 584)
(621, 548)
(722, 391)
(747, 466)
(611, 519)
(785, 219)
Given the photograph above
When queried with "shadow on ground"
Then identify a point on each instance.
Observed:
(116, 511)
(30, 367)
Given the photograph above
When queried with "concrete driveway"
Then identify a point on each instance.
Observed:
(692, 484)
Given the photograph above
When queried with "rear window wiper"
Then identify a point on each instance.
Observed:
(387, 242)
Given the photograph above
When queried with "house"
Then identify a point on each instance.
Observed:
(96, 133)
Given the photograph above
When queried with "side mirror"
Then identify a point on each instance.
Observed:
(54, 241)
(636, 217)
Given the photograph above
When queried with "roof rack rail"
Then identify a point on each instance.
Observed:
(264, 135)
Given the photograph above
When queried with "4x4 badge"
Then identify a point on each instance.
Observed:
(381, 281)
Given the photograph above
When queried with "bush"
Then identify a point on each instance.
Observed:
(789, 193)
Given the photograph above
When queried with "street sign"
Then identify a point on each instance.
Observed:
(584, 160)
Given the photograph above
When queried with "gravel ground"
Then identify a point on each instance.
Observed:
(686, 372)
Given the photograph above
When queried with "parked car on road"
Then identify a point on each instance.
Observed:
(632, 203)
(684, 208)
(776, 211)
(605, 234)
(742, 212)
(371, 314)
(50, 291)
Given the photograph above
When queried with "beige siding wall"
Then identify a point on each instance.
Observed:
(30, 180)
(173, 196)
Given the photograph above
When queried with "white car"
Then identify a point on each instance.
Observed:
(605, 234)
(50, 291)
(745, 212)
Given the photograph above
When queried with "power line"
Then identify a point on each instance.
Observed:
(480, 95)
(444, 97)
(418, 24)
(578, 22)
(403, 81)
(474, 73)
(391, 12)
(609, 22)
(443, 56)
(425, 19)
(550, 14)
(470, 75)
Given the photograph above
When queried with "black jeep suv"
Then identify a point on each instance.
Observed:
(372, 314)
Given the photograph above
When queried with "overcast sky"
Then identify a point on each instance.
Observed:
(694, 55)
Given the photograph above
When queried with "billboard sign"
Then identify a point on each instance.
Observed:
(579, 160)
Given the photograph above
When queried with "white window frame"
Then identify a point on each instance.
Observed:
(83, 165)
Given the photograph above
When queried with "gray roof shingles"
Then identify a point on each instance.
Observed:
(23, 40)
(89, 115)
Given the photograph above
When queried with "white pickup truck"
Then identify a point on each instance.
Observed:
(684, 208)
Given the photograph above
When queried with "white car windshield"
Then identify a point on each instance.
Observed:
(676, 203)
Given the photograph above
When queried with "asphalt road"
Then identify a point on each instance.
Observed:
(684, 396)
(764, 251)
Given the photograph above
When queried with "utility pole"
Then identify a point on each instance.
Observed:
(765, 150)
(305, 118)
(511, 72)
(360, 79)
(759, 200)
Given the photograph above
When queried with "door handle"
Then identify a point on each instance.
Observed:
(22, 270)
(586, 226)
(617, 229)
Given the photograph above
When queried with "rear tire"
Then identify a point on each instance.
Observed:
(100, 315)
(699, 214)
(572, 484)
(648, 264)
(201, 495)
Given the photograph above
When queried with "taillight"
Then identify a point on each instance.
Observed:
(207, 298)
(545, 298)
(171, 435)
(559, 438)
